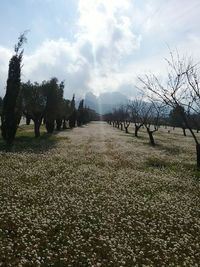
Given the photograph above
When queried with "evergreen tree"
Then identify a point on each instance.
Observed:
(72, 118)
(67, 110)
(51, 88)
(10, 112)
(60, 106)
(1, 107)
(81, 111)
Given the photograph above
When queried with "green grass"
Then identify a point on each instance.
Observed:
(95, 196)
(26, 141)
(157, 163)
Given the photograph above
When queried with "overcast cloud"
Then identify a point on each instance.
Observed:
(97, 45)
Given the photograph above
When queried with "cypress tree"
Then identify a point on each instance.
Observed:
(60, 106)
(1, 107)
(10, 113)
(72, 118)
(67, 109)
(51, 107)
(80, 117)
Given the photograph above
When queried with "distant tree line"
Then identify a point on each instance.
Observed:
(40, 102)
(150, 115)
(142, 114)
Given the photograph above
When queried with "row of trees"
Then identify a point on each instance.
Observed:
(174, 102)
(149, 115)
(39, 102)
(142, 114)
(45, 102)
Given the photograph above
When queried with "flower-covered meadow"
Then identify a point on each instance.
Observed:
(95, 196)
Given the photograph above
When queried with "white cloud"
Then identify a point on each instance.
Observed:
(5, 55)
(114, 42)
(60, 59)
(107, 29)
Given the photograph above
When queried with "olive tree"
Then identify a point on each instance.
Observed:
(34, 104)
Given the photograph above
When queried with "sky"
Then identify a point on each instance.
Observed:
(97, 45)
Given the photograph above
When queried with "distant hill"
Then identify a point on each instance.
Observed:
(105, 102)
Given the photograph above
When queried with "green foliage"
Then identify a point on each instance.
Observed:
(34, 100)
(81, 113)
(34, 104)
(73, 114)
(1, 106)
(66, 108)
(51, 90)
(60, 103)
(85, 115)
(11, 103)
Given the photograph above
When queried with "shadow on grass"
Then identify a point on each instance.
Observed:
(172, 150)
(157, 145)
(186, 169)
(193, 170)
(26, 142)
(156, 163)
(132, 135)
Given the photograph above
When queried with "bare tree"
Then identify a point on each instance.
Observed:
(124, 117)
(115, 118)
(180, 91)
(147, 114)
(119, 118)
(152, 119)
(136, 108)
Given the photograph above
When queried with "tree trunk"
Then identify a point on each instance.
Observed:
(64, 125)
(184, 132)
(58, 124)
(136, 130)
(50, 126)
(37, 128)
(121, 126)
(151, 138)
(126, 129)
(28, 120)
(198, 156)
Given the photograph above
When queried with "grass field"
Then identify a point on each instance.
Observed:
(95, 196)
